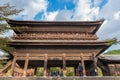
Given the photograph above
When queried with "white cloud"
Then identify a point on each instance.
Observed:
(97, 2)
(51, 16)
(111, 29)
(64, 15)
(31, 7)
(84, 11)
(117, 15)
(110, 13)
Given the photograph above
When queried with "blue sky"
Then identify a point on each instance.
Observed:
(73, 10)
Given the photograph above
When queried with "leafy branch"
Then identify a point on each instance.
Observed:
(6, 10)
(112, 41)
(4, 44)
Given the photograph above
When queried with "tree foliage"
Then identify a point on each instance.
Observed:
(4, 44)
(6, 10)
(112, 41)
(113, 52)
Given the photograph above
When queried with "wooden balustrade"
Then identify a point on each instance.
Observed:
(56, 36)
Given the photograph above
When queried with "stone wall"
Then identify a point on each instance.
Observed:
(62, 78)
(114, 69)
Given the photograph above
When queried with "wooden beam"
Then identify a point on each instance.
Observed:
(45, 65)
(64, 64)
(13, 65)
(58, 54)
(83, 64)
(64, 61)
(41, 52)
(18, 70)
(55, 58)
(26, 65)
(30, 58)
(45, 62)
(95, 64)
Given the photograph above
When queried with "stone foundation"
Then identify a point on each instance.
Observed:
(62, 78)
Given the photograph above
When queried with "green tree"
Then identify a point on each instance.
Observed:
(6, 10)
(113, 52)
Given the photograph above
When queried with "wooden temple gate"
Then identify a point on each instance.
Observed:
(26, 71)
(60, 44)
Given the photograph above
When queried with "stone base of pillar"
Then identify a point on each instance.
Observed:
(24, 73)
(84, 73)
(45, 73)
(64, 73)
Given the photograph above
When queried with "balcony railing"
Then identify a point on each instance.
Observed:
(58, 36)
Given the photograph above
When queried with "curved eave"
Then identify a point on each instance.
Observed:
(113, 60)
(55, 22)
(105, 48)
(58, 42)
(102, 45)
(88, 24)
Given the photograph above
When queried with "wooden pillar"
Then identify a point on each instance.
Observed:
(45, 65)
(48, 71)
(13, 65)
(64, 65)
(35, 71)
(95, 65)
(83, 65)
(75, 71)
(26, 65)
